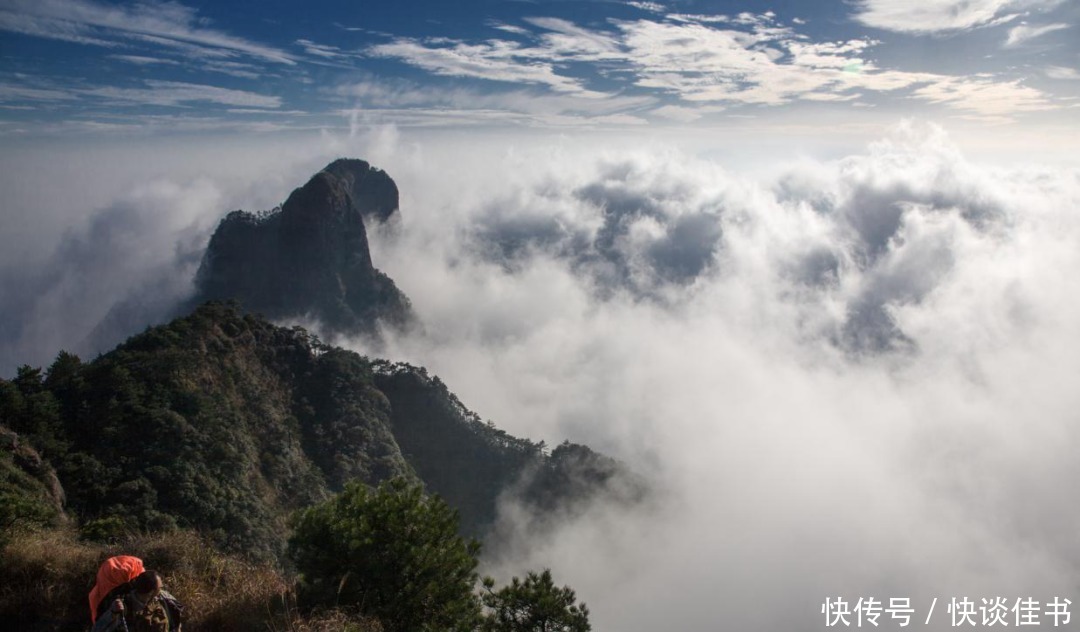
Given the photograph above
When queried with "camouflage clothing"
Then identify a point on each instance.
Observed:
(161, 614)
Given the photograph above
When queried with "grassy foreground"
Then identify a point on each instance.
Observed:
(46, 576)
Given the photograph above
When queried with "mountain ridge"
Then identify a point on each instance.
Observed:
(223, 422)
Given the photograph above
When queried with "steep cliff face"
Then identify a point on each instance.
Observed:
(311, 258)
(223, 422)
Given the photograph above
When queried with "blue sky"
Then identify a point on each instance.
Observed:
(87, 66)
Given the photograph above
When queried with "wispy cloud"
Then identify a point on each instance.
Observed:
(495, 60)
(1061, 72)
(28, 92)
(509, 28)
(660, 66)
(678, 113)
(172, 93)
(232, 68)
(151, 124)
(773, 66)
(567, 41)
(323, 51)
(654, 7)
(168, 24)
(141, 60)
(941, 16)
(704, 64)
(406, 101)
(1025, 32)
(216, 65)
(745, 59)
(984, 98)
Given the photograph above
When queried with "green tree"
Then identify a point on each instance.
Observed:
(392, 553)
(534, 605)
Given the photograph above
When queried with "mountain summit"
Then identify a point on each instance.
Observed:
(310, 257)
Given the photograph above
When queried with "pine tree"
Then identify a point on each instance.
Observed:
(392, 553)
(534, 605)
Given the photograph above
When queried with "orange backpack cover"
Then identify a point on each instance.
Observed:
(113, 572)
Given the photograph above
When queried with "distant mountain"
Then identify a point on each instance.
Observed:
(223, 422)
(310, 257)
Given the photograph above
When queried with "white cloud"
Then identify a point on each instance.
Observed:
(169, 24)
(941, 16)
(652, 7)
(31, 92)
(678, 113)
(231, 68)
(750, 60)
(767, 66)
(1025, 32)
(322, 50)
(797, 458)
(173, 93)
(1061, 72)
(698, 17)
(570, 42)
(837, 55)
(493, 61)
(993, 100)
(618, 119)
(132, 126)
(132, 262)
(203, 63)
(705, 64)
(400, 98)
(510, 28)
(141, 60)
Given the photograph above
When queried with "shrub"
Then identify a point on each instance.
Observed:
(534, 605)
(393, 554)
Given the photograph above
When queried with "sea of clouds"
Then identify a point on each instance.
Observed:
(852, 377)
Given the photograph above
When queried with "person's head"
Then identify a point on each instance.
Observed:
(147, 585)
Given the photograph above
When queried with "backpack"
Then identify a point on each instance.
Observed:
(173, 607)
(112, 574)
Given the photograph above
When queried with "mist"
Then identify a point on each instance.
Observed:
(850, 378)
(846, 377)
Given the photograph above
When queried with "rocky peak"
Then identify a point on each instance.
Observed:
(372, 191)
(311, 256)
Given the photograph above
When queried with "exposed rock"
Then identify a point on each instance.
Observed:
(310, 257)
(373, 192)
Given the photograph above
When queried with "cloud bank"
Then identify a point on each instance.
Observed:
(101, 242)
(127, 268)
(849, 378)
(852, 379)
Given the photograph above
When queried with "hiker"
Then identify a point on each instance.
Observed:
(112, 574)
(141, 606)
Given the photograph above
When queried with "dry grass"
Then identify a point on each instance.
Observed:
(45, 577)
(43, 580)
(326, 621)
(218, 592)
